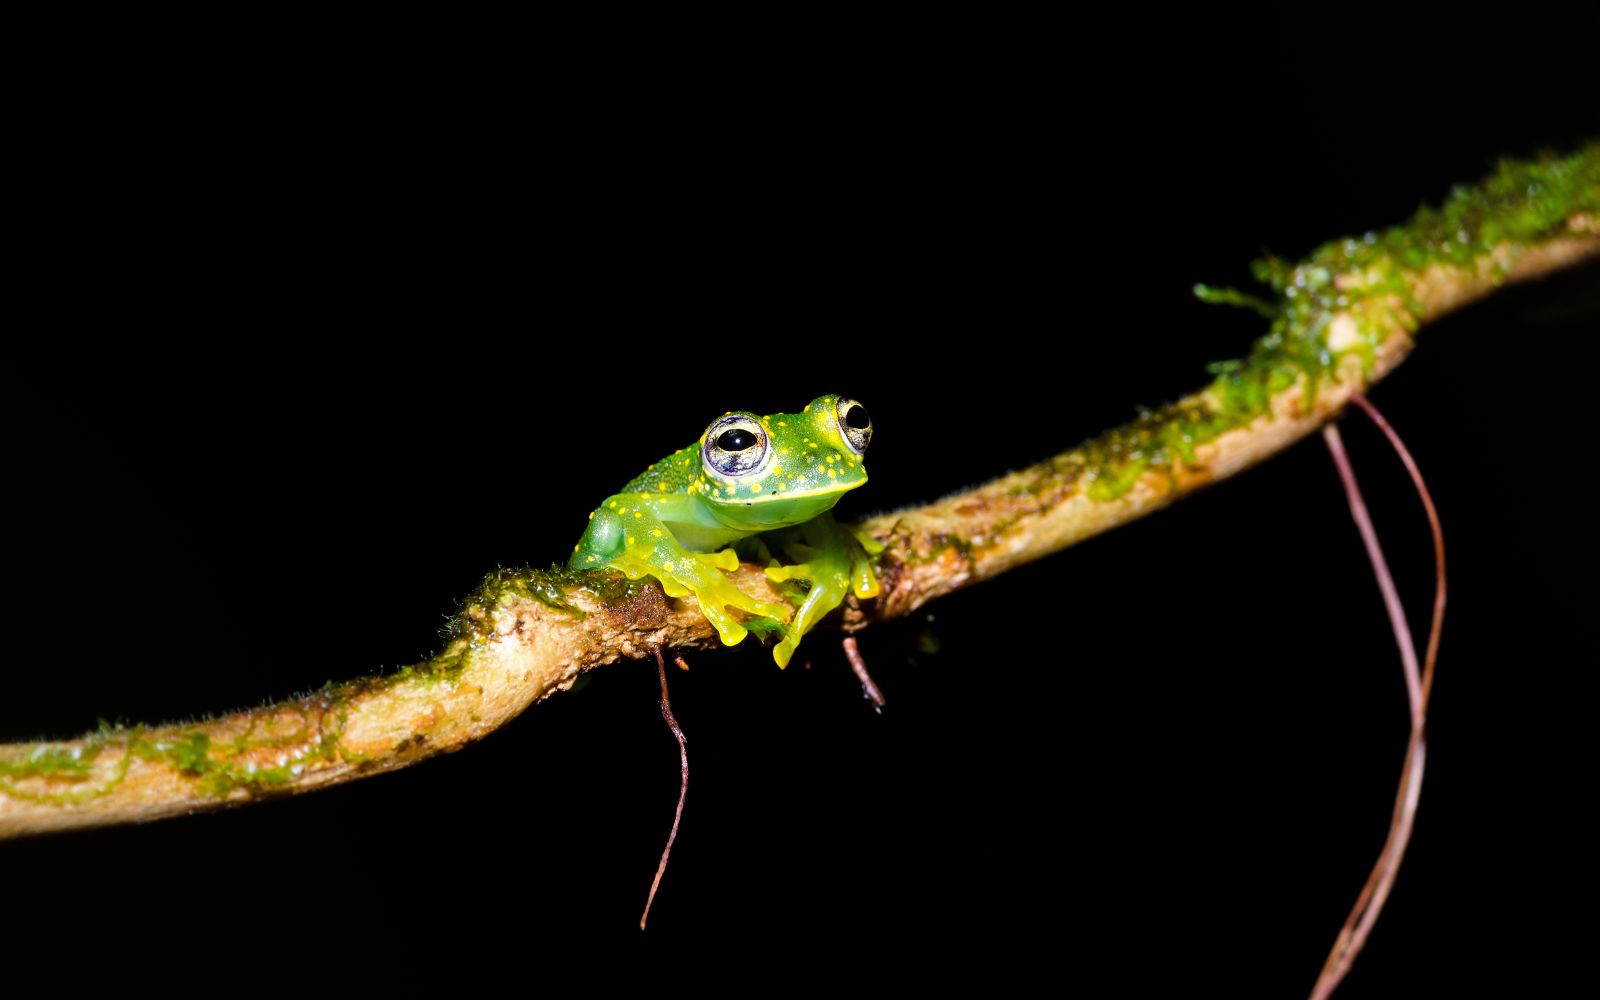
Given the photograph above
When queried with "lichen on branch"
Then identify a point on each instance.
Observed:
(1341, 319)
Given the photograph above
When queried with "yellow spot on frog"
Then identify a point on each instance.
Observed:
(832, 474)
(591, 515)
(656, 532)
(590, 559)
(755, 487)
(630, 539)
(832, 459)
(783, 423)
(638, 513)
(662, 486)
(811, 444)
(613, 505)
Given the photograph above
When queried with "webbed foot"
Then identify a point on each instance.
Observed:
(700, 574)
(626, 533)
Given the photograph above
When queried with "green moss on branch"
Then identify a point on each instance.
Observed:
(1372, 279)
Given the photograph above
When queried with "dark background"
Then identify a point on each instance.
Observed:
(331, 332)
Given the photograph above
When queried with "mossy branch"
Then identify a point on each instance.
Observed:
(1341, 320)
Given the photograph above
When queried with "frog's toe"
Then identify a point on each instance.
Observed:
(871, 545)
(798, 571)
(672, 586)
(726, 559)
(731, 631)
(863, 580)
(784, 650)
(750, 605)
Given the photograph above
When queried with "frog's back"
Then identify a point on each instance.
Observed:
(672, 474)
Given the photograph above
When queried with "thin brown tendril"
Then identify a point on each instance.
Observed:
(1358, 925)
(683, 791)
(1432, 654)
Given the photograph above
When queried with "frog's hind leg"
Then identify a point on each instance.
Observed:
(627, 534)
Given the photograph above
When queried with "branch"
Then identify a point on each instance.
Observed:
(1342, 319)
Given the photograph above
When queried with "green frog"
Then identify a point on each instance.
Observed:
(752, 486)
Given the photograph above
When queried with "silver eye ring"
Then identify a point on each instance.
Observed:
(855, 424)
(735, 445)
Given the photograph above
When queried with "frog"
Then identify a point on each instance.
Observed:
(752, 486)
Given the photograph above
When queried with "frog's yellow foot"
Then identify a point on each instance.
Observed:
(719, 594)
(829, 579)
(699, 573)
(832, 560)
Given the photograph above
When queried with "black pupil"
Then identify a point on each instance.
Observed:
(736, 440)
(857, 417)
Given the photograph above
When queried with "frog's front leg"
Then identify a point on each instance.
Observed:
(833, 561)
(630, 532)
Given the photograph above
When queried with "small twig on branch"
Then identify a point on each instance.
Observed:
(869, 689)
(1346, 317)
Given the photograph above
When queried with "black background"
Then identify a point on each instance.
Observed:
(329, 333)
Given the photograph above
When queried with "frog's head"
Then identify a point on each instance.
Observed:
(758, 473)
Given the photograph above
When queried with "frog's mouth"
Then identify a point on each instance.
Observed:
(782, 510)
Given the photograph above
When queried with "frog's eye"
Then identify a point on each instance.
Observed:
(855, 424)
(736, 445)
